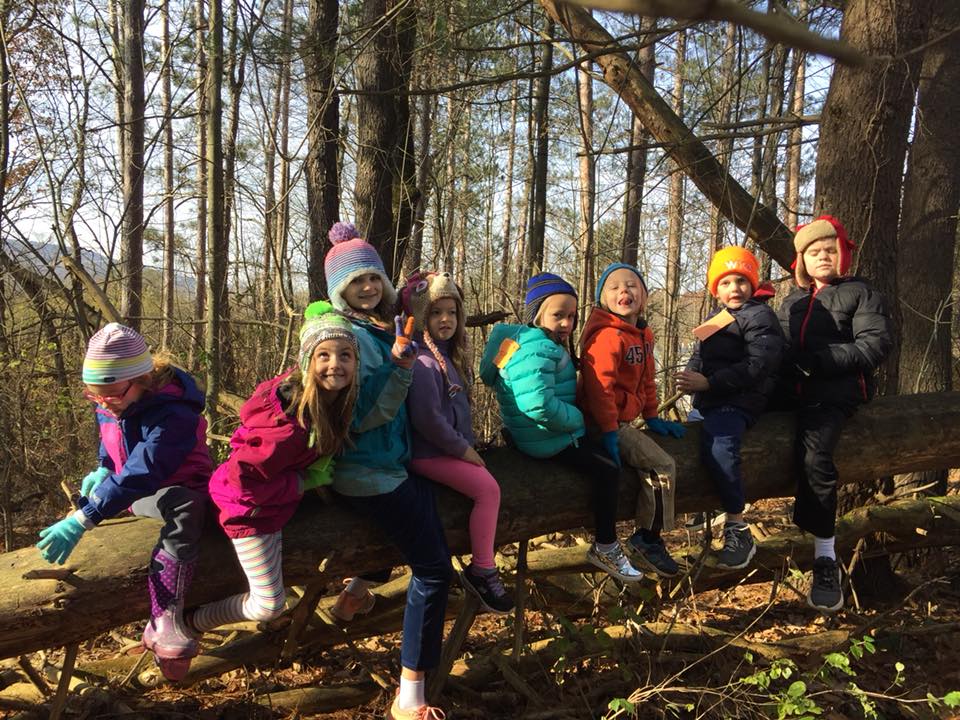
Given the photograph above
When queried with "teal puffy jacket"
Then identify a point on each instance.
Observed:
(536, 386)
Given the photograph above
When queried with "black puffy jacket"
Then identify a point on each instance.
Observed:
(740, 360)
(839, 335)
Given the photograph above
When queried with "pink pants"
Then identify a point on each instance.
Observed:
(476, 482)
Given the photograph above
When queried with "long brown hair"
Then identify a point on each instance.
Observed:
(328, 422)
(458, 345)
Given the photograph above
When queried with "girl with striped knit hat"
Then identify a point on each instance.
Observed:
(153, 460)
(290, 430)
(439, 408)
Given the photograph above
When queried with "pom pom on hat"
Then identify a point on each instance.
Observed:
(539, 288)
(729, 260)
(115, 353)
(322, 322)
(350, 257)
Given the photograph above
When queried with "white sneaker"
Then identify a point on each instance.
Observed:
(615, 563)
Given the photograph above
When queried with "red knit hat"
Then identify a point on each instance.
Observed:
(824, 227)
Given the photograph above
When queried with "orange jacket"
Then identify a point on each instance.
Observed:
(616, 371)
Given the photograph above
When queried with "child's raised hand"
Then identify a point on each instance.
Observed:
(690, 381)
(472, 456)
(404, 349)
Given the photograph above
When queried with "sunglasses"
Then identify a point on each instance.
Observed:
(106, 399)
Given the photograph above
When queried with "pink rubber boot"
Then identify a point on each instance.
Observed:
(166, 634)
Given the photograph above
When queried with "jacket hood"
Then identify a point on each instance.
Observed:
(600, 319)
(263, 408)
(501, 332)
(183, 389)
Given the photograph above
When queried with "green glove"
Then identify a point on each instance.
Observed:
(318, 474)
(93, 479)
(59, 540)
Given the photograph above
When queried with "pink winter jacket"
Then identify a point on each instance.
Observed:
(259, 487)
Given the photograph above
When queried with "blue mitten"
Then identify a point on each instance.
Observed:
(59, 540)
(611, 443)
(665, 427)
(93, 479)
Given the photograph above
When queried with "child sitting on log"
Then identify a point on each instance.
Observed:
(535, 379)
(839, 332)
(154, 461)
(439, 408)
(731, 375)
(371, 475)
(617, 384)
(290, 429)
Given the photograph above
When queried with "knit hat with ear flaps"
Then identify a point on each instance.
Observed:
(350, 257)
(729, 260)
(116, 353)
(824, 227)
(321, 322)
(539, 288)
(425, 288)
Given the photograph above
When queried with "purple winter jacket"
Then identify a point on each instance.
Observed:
(433, 413)
(258, 488)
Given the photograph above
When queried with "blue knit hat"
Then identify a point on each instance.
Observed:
(612, 267)
(350, 257)
(539, 288)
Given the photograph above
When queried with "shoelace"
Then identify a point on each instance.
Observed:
(826, 575)
(495, 585)
(430, 713)
(731, 537)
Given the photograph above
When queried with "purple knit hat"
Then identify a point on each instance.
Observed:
(116, 353)
(350, 257)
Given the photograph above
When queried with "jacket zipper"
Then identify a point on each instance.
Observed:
(803, 330)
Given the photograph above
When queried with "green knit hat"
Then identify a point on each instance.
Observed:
(322, 322)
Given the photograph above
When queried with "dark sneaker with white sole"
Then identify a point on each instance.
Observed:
(652, 555)
(825, 593)
(738, 547)
(488, 587)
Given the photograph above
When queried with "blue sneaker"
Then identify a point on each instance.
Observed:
(653, 556)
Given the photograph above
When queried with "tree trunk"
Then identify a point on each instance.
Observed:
(770, 159)
(587, 182)
(169, 247)
(724, 113)
(413, 257)
(282, 288)
(756, 220)
(791, 193)
(928, 224)
(217, 252)
(103, 586)
(323, 134)
(200, 191)
(541, 123)
(507, 239)
(637, 159)
(131, 287)
(675, 212)
(406, 193)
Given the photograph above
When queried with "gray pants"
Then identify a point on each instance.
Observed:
(183, 512)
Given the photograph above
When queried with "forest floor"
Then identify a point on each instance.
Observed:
(912, 650)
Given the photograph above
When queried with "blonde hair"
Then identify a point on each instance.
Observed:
(164, 371)
(329, 423)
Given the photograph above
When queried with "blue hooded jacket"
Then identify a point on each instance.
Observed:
(536, 386)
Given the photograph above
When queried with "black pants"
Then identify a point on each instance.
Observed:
(590, 459)
(818, 431)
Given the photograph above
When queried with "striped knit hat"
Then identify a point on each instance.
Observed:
(539, 288)
(116, 353)
(350, 257)
(321, 322)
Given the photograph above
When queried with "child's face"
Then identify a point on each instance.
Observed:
(734, 290)
(442, 319)
(822, 260)
(364, 292)
(557, 316)
(623, 295)
(334, 365)
(115, 397)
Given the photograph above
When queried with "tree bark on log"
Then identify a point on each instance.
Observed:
(103, 585)
(758, 221)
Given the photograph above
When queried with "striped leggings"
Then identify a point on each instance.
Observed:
(261, 560)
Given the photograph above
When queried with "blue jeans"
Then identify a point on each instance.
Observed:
(409, 518)
(720, 438)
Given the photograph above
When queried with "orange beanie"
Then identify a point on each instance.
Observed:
(733, 259)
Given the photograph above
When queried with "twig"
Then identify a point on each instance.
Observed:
(34, 677)
(63, 687)
(137, 666)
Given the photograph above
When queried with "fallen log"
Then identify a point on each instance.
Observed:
(103, 585)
